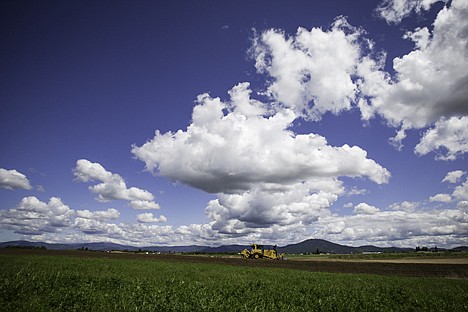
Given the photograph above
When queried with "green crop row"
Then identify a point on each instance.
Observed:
(60, 283)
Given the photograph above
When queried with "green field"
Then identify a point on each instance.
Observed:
(63, 283)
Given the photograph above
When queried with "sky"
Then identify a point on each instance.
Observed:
(211, 123)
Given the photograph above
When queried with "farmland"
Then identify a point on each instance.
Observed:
(37, 280)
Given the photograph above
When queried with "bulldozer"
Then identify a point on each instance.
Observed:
(258, 252)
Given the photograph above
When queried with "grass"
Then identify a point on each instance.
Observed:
(61, 283)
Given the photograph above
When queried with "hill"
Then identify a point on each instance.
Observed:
(323, 246)
(307, 246)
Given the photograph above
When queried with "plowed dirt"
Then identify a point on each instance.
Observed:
(417, 269)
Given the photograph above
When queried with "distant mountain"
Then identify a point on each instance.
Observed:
(307, 246)
(312, 245)
(89, 246)
(225, 249)
(191, 248)
(460, 248)
(111, 246)
(370, 248)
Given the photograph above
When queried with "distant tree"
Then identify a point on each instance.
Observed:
(418, 248)
(424, 248)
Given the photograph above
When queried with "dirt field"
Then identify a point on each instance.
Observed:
(428, 261)
(401, 260)
(451, 268)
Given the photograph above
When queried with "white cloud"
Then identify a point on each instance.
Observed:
(245, 151)
(12, 179)
(404, 206)
(143, 205)
(430, 85)
(274, 184)
(356, 191)
(315, 72)
(312, 71)
(443, 198)
(97, 227)
(364, 208)
(450, 134)
(399, 228)
(393, 11)
(112, 186)
(454, 176)
(259, 208)
(463, 205)
(233, 152)
(461, 191)
(34, 217)
(263, 172)
(149, 218)
(109, 214)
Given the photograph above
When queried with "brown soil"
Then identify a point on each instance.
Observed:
(450, 270)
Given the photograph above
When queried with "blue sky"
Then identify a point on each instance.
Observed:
(176, 123)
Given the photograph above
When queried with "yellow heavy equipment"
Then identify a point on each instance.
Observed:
(258, 252)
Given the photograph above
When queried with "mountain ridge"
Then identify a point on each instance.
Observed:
(307, 246)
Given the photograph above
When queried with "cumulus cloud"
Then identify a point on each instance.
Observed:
(454, 176)
(112, 186)
(319, 71)
(149, 218)
(97, 227)
(356, 191)
(274, 184)
(109, 214)
(444, 198)
(263, 173)
(246, 152)
(143, 205)
(451, 135)
(393, 11)
(312, 71)
(364, 208)
(137, 234)
(233, 151)
(53, 222)
(401, 228)
(404, 206)
(12, 180)
(100, 229)
(34, 217)
(463, 205)
(430, 85)
(448, 227)
(298, 203)
(461, 191)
